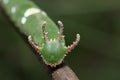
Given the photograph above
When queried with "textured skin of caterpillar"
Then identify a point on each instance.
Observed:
(43, 34)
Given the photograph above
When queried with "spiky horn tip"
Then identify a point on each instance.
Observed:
(75, 43)
(60, 23)
(61, 30)
(44, 31)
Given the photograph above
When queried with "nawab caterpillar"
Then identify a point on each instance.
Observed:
(43, 35)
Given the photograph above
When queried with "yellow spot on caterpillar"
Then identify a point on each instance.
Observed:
(23, 21)
(50, 40)
(28, 13)
(13, 10)
(31, 11)
(44, 13)
(5, 1)
(54, 40)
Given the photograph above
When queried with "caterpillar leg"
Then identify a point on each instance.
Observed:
(33, 44)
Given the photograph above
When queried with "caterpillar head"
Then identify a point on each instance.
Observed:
(53, 51)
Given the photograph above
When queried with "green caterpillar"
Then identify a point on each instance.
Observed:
(43, 35)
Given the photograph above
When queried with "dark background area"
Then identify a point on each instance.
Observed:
(97, 57)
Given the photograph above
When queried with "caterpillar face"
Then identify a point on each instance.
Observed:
(53, 52)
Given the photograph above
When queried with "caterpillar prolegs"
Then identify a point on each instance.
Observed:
(43, 34)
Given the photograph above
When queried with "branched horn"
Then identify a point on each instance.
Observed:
(61, 30)
(75, 43)
(44, 31)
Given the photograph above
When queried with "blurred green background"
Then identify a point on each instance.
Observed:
(97, 57)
